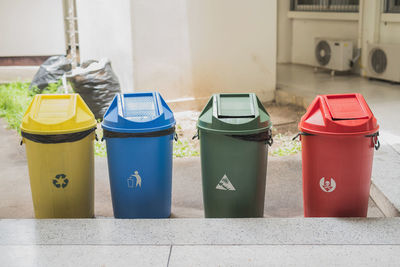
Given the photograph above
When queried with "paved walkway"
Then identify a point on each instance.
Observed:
(199, 242)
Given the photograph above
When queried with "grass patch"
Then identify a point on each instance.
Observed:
(184, 148)
(286, 147)
(15, 99)
(100, 146)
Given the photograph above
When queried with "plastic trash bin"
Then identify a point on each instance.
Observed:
(58, 131)
(139, 131)
(234, 131)
(338, 136)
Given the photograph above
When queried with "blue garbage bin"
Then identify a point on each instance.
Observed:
(139, 130)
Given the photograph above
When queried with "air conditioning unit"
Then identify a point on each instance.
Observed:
(334, 54)
(384, 61)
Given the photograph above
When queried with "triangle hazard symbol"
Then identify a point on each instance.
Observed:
(225, 184)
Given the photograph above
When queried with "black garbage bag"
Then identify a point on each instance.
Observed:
(51, 71)
(96, 82)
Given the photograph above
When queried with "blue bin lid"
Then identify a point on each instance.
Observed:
(138, 113)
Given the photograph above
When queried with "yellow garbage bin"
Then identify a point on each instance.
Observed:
(58, 131)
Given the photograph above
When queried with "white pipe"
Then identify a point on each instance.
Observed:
(360, 24)
(377, 26)
(72, 31)
(64, 83)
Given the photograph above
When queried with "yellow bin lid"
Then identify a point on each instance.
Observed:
(57, 114)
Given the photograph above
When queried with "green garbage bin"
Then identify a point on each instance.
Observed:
(234, 132)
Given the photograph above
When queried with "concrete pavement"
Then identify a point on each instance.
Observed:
(199, 242)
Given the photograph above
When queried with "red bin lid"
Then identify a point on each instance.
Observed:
(344, 114)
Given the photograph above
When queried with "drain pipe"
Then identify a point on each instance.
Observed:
(360, 23)
(71, 18)
(360, 34)
(377, 25)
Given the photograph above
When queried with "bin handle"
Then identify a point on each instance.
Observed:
(176, 137)
(374, 137)
(196, 135)
(375, 140)
(301, 133)
(270, 141)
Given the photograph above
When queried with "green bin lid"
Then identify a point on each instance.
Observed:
(239, 114)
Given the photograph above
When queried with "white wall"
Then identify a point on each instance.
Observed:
(161, 47)
(31, 28)
(233, 46)
(190, 48)
(390, 30)
(105, 31)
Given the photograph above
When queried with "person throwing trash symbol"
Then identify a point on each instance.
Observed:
(131, 180)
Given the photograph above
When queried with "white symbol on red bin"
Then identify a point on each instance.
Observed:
(327, 185)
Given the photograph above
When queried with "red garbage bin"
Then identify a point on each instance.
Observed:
(338, 135)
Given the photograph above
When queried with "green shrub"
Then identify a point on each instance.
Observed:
(15, 99)
(286, 147)
(185, 148)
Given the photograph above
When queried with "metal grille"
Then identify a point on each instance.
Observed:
(378, 60)
(325, 5)
(323, 53)
(392, 6)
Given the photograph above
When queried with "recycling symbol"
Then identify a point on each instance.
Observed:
(60, 181)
